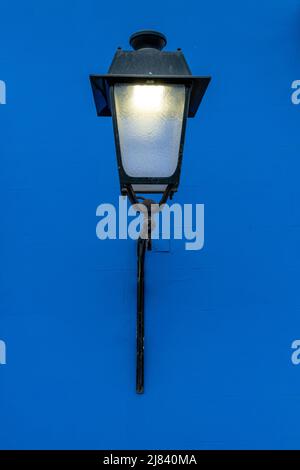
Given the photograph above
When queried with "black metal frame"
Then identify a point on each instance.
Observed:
(102, 83)
(125, 179)
(148, 63)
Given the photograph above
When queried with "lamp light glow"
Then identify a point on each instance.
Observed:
(148, 98)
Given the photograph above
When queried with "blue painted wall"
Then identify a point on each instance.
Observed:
(220, 321)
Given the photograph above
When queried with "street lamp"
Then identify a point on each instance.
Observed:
(149, 93)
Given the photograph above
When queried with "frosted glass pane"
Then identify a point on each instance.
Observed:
(140, 188)
(149, 121)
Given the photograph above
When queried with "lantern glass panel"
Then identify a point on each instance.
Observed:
(149, 121)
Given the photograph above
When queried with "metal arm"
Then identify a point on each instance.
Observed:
(143, 244)
(141, 249)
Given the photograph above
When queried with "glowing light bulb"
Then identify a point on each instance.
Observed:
(148, 97)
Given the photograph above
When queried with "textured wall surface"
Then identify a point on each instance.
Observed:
(220, 322)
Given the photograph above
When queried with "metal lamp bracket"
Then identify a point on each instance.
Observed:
(143, 244)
